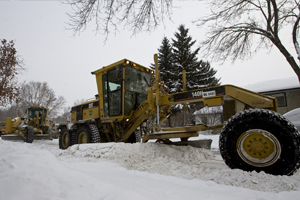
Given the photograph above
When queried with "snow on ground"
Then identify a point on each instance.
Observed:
(130, 171)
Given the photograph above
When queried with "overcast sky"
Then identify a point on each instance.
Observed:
(52, 54)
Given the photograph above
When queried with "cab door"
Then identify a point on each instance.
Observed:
(79, 113)
(112, 90)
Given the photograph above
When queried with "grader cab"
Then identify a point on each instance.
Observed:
(122, 89)
(35, 125)
(253, 136)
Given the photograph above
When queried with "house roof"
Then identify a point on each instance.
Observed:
(274, 85)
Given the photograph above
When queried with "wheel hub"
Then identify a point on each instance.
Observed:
(65, 139)
(258, 148)
(82, 138)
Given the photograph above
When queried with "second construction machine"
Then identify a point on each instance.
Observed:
(253, 137)
(36, 125)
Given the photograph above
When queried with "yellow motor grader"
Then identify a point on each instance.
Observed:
(35, 126)
(253, 136)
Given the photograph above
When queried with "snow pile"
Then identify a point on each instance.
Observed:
(184, 162)
(27, 173)
(152, 157)
(130, 171)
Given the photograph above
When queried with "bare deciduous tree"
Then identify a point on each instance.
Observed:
(239, 28)
(10, 111)
(209, 115)
(108, 14)
(79, 101)
(64, 117)
(40, 94)
(10, 67)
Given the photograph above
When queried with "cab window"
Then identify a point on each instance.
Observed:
(114, 91)
(136, 83)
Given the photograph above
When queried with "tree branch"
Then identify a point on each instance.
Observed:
(133, 15)
(295, 28)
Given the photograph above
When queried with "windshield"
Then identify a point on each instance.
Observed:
(136, 83)
(32, 113)
(136, 80)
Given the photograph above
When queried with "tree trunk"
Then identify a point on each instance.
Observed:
(288, 57)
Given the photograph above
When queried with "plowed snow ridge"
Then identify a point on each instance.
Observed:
(185, 162)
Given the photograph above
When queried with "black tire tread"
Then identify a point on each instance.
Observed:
(135, 137)
(72, 138)
(91, 131)
(94, 133)
(29, 134)
(60, 138)
(289, 138)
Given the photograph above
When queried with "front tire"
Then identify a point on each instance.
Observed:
(29, 134)
(260, 140)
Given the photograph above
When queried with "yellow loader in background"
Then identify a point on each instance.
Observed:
(35, 125)
(253, 136)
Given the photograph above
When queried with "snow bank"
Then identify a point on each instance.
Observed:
(184, 162)
(130, 171)
(27, 173)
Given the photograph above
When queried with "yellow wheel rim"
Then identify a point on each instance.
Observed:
(65, 139)
(258, 148)
(82, 138)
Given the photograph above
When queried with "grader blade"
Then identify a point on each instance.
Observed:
(203, 143)
(43, 137)
(165, 136)
(12, 137)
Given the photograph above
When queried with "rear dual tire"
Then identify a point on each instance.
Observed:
(87, 133)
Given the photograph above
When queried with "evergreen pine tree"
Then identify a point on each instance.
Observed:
(165, 62)
(199, 74)
(172, 59)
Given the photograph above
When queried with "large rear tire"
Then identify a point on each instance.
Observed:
(64, 139)
(87, 134)
(260, 140)
(83, 135)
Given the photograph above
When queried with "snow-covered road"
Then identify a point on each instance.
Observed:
(130, 171)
